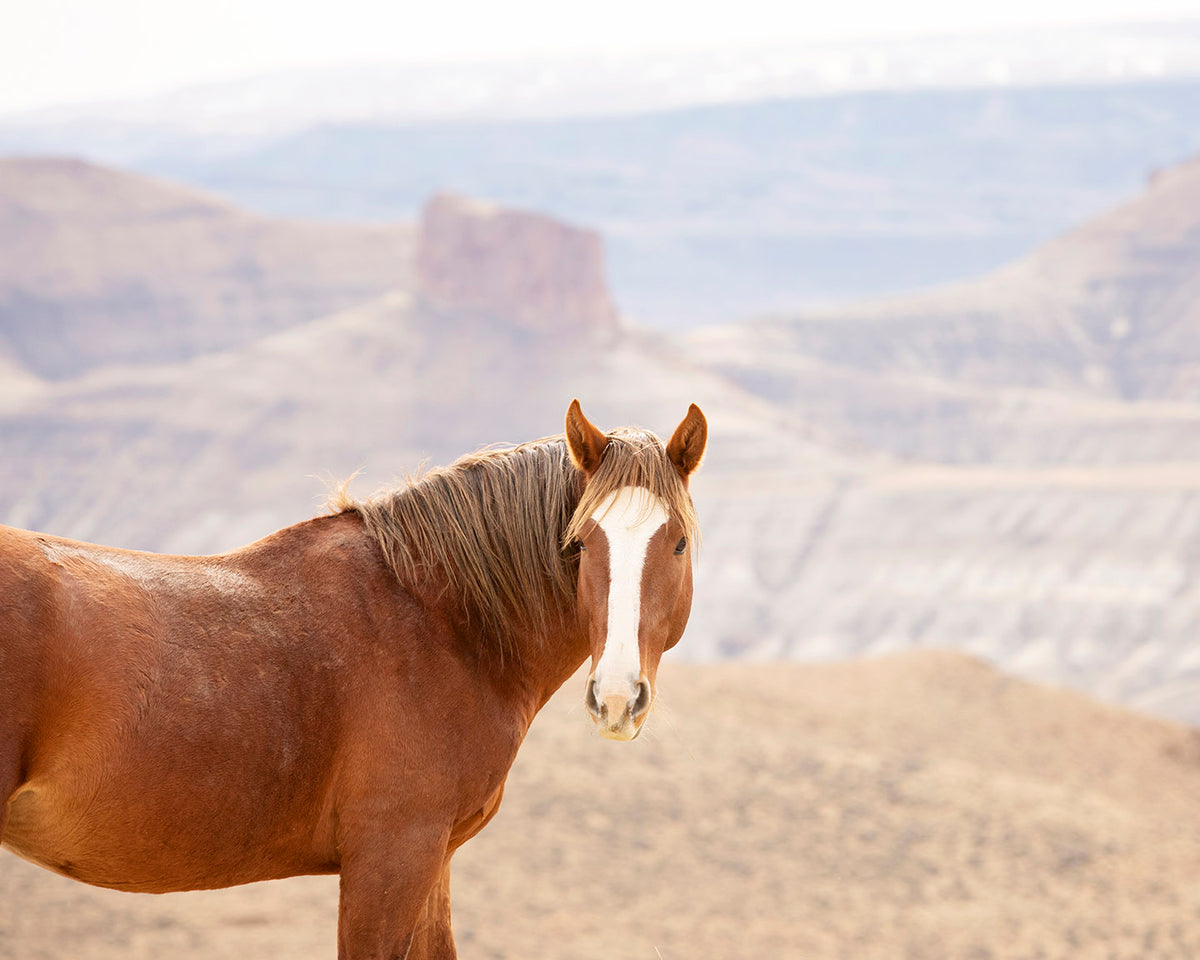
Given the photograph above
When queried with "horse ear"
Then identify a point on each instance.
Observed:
(688, 441)
(584, 440)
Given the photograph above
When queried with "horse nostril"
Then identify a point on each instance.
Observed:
(593, 705)
(642, 703)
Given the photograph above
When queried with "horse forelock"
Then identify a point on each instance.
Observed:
(498, 525)
(636, 458)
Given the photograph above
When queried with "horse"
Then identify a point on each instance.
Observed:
(348, 694)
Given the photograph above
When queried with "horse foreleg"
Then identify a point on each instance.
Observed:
(10, 777)
(434, 938)
(386, 883)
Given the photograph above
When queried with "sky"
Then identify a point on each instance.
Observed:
(63, 51)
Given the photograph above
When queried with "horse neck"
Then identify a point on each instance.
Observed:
(540, 664)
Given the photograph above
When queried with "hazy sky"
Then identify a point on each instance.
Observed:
(55, 51)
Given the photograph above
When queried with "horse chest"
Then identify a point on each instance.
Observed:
(469, 826)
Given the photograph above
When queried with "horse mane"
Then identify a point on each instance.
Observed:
(498, 526)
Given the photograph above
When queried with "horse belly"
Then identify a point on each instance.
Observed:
(160, 840)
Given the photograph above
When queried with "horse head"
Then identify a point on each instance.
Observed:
(635, 569)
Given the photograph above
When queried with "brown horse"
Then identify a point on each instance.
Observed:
(347, 695)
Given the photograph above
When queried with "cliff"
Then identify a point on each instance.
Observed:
(520, 269)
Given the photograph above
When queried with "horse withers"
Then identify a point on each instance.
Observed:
(348, 694)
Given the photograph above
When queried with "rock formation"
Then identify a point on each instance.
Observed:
(521, 269)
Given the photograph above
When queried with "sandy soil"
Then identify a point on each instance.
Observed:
(919, 806)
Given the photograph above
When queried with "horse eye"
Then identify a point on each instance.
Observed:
(580, 545)
(681, 545)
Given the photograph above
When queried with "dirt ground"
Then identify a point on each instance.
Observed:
(918, 806)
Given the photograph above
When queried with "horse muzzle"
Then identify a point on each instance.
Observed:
(619, 709)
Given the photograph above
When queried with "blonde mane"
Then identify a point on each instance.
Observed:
(498, 526)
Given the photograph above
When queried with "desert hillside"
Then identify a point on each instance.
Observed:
(99, 266)
(1018, 365)
(920, 806)
(1034, 501)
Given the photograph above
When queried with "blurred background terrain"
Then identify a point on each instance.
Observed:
(940, 299)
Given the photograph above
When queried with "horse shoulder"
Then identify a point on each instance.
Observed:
(26, 586)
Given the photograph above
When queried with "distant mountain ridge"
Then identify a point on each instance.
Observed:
(1107, 313)
(720, 211)
(555, 84)
(99, 266)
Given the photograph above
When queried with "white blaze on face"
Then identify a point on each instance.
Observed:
(629, 518)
